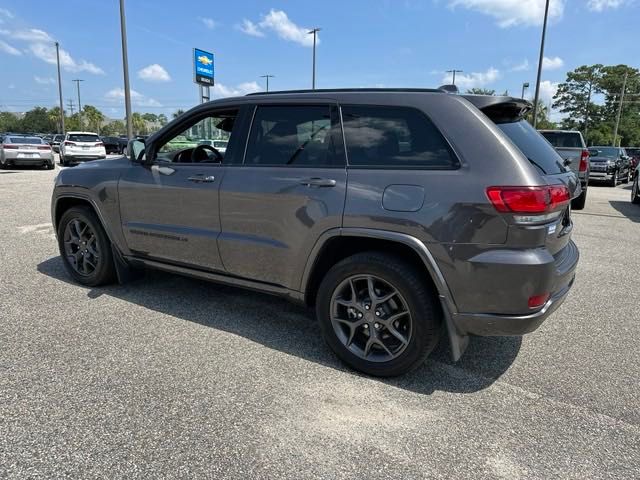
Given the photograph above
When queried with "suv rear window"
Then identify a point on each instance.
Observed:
(394, 137)
(564, 139)
(84, 138)
(532, 145)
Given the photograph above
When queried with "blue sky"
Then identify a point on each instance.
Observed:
(390, 43)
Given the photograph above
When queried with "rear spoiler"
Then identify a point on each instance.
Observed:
(501, 109)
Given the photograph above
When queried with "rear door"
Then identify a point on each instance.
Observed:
(290, 189)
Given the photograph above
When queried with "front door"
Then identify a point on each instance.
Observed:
(169, 208)
(290, 188)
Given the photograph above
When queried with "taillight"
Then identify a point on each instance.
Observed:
(530, 204)
(99, 144)
(69, 143)
(44, 147)
(537, 301)
(10, 147)
(584, 161)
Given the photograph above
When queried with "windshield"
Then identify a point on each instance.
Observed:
(80, 137)
(25, 140)
(608, 152)
(220, 144)
(533, 146)
(564, 139)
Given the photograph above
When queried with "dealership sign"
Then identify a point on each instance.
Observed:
(202, 67)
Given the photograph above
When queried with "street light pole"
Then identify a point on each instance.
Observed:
(454, 71)
(60, 89)
(267, 77)
(314, 32)
(537, 95)
(77, 80)
(125, 69)
(525, 85)
(615, 130)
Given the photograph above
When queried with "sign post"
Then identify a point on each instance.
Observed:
(203, 73)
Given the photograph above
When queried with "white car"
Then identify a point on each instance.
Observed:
(81, 146)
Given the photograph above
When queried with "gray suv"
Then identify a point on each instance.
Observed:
(400, 215)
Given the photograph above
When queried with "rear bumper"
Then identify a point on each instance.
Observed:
(43, 160)
(82, 158)
(487, 324)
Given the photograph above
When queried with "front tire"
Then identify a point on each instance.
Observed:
(85, 248)
(635, 191)
(614, 180)
(378, 314)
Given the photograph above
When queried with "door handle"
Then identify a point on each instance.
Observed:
(318, 182)
(201, 178)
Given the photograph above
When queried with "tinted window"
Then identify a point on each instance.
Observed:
(533, 146)
(394, 137)
(634, 152)
(564, 139)
(80, 137)
(294, 135)
(25, 140)
(609, 152)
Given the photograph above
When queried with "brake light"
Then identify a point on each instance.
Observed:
(44, 147)
(99, 144)
(537, 301)
(534, 204)
(10, 147)
(584, 161)
(69, 143)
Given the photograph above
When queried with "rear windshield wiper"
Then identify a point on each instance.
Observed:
(537, 165)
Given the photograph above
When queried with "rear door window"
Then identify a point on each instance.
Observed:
(564, 139)
(394, 137)
(540, 153)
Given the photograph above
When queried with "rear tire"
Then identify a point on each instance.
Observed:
(635, 191)
(579, 203)
(400, 331)
(85, 248)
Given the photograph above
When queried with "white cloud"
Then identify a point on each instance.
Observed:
(47, 53)
(474, 79)
(552, 63)
(137, 99)
(509, 13)
(600, 5)
(220, 90)
(31, 35)
(6, 48)
(520, 67)
(5, 14)
(278, 22)
(210, 23)
(154, 73)
(547, 90)
(250, 28)
(44, 80)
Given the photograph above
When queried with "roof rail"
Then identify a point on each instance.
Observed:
(351, 90)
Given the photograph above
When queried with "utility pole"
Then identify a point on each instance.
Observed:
(70, 105)
(77, 80)
(314, 32)
(454, 71)
(537, 95)
(525, 85)
(267, 77)
(586, 109)
(615, 130)
(60, 89)
(125, 70)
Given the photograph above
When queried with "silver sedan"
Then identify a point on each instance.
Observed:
(25, 150)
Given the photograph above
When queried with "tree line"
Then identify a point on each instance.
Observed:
(47, 120)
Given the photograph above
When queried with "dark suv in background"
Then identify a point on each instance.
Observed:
(610, 164)
(400, 215)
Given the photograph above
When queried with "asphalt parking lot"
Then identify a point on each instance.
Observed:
(176, 378)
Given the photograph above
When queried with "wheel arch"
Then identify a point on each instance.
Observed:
(65, 202)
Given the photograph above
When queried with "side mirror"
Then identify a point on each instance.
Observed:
(135, 150)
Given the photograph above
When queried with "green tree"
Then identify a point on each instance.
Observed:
(613, 78)
(93, 118)
(139, 124)
(116, 127)
(575, 95)
(9, 122)
(162, 119)
(481, 91)
(177, 113)
(150, 117)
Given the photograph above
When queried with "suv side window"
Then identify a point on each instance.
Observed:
(394, 137)
(296, 136)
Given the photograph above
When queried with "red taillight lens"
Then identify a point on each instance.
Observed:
(69, 143)
(534, 204)
(44, 147)
(584, 161)
(537, 301)
(10, 147)
(99, 144)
